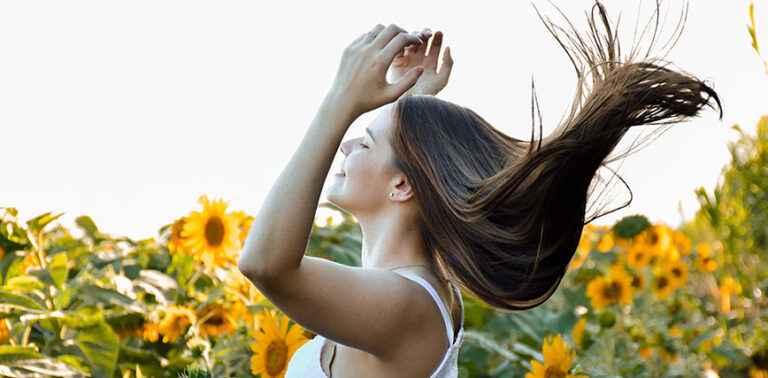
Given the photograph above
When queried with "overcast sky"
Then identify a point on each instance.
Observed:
(128, 111)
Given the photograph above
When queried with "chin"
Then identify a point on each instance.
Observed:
(336, 202)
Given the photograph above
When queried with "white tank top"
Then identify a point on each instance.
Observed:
(305, 362)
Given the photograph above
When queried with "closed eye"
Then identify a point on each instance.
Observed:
(363, 145)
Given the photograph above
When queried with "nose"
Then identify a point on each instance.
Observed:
(346, 146)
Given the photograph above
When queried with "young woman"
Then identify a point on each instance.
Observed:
(444, 200)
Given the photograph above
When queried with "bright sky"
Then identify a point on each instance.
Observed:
(129, 111)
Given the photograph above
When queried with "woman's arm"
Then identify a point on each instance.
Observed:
(280, 232)
(284, 221)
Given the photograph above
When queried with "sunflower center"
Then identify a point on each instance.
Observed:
(214, 231)
(277, 354)
(677, 272)
(215, 320)
(554, 372)
(662, 282)
(654, 238)
(635, 281)
(612, 291)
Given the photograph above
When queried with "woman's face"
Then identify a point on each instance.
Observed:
(370, 175)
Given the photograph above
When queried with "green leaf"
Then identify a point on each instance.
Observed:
(25, 282)
(86, 223)
(48, 367)
(85, 317)
(630, 226)
(62, 298)
(100, 346)
(97, 295)
(701, 338)
(12, 301)
(58, 269)
(39, 222)
(10, 354)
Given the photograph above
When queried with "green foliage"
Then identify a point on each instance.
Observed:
(736, 214)
(630, 226)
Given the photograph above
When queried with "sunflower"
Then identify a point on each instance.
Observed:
(670, 254)
(4, 334)
(667, 356)
(620, 242)
(215, 320)
(663, 284)
(638, 255)
(638, 281)
(683, 242)
(726, 288)
(275, 344)
(244, 222)
(613, 289)
(606, 243)
(582, 251)
(578, 331)
(176, 241)
(705, 258)
(557, 360)
(148, 331)
(30, 260)
(175, 322)
(657, 238)
(678, 271)
(645, 352)
(211, 235)
(240, 293)
(756, 372)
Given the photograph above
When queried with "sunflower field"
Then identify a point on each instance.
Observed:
(640, 300)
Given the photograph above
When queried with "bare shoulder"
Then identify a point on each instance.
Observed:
(371, 309)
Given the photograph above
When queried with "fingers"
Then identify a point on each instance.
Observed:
(389, 33)
(437, 42)
(445, 68)
(399, 87)
(397, 44)
(369, 36)
(425, 34)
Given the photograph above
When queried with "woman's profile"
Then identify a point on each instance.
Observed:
(446, 202)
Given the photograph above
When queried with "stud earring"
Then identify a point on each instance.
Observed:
(391, 195)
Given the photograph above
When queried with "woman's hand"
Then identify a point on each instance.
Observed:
(361, 83)
(430, 82)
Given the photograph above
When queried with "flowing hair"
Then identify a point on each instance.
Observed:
(502, 217)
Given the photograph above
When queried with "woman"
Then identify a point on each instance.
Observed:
(443, 200)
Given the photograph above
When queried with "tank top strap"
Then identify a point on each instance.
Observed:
(440, 305)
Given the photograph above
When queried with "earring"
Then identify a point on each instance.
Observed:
(391, 195)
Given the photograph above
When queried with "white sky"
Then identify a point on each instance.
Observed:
(128, 111)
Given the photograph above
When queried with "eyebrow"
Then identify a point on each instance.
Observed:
(371, 134)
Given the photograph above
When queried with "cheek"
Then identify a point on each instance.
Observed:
(364, 180)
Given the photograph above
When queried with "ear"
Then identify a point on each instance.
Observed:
(401, 188)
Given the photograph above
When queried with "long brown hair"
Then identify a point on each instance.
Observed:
(504, 216)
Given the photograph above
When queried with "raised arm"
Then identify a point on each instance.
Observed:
(280, 232)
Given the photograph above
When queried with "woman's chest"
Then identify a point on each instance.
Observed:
(416, 359)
